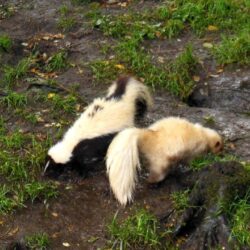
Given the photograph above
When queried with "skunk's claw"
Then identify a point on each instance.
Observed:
(46, 167)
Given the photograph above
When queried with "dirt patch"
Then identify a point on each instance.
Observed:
(85, 206)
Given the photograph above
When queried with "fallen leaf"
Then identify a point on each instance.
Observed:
(54, 214)
(220, 70)
(212, 28)
(55, 235)
(1, 222)
(232, 146)
(51, 95)
(68, 187)
(208, 45)
(49, 36)
(123, 4)
(80, 71)
(25, 44)
(13, 231)
(93, 239)
(214, 76)
(78, 106)
(66, 244)
(119, 66)
(44, 75)
(160, 59)
(158, 34)
(39, 119)
(196, 78)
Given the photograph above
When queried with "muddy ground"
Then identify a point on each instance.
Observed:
(84, 207)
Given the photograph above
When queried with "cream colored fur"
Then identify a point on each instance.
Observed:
(122, 163)
(114, 116)
(163, 144)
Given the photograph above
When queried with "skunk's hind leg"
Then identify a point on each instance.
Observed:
(158, 170)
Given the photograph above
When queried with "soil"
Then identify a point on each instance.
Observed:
(80, 213)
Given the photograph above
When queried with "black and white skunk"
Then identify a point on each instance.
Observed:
(86, 141)
(163, 144)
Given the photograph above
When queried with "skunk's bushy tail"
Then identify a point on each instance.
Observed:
(122, 162)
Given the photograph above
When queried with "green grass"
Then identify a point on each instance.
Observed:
(39, 190)
(37, 241)
(240, 220)
(130, 30)
(64, 10)
(180, 199)
(57, 62)
(5, 43)
(105, 71)
(227, 15)
(138, 230)
(169, 19)
(176, 76)
(79, 2)
(12, 74)
(6, 10)
(2, 126)
(234, 49)
(65, 22)
(66, 103)
(6, 203)
(14, 100)
(21, 159)
(203, 161)
(15, 140)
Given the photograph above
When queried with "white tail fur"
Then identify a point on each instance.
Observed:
(122, 163)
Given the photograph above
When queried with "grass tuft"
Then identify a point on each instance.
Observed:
(234, 49)
(65, 22)
(14, 100)
(180, 199)
(6, 203)
(105, 71)
(138, 230)
(203, 161)
(39, 190)
(240, 220)
(37, 241)
(5, 43)
(67, 103)
(12, 74)
(57, 62)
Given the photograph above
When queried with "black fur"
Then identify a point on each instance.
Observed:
(16, 246)
(96, 108)
(120, 88)
(94, 151)
(141, 108)
(85, 156)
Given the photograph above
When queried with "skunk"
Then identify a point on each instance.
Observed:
(163, 144)
(87, 140)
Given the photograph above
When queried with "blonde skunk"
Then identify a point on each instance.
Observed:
(87, 140)
(163, 144)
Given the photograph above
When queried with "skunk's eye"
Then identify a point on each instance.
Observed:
(217, 144)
